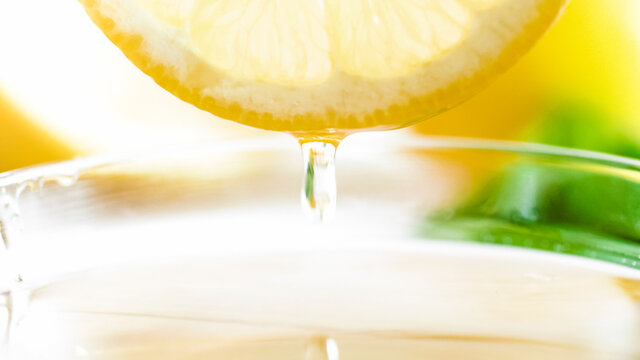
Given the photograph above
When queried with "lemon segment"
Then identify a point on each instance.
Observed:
(323, 67)
(279, 42)
(173, 13)
(389, 38)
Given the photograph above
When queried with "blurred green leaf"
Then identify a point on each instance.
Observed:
(552, 238)
(563, 206)
(582, 126)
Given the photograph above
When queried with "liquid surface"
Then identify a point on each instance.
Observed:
(409, 302)
(354, 347)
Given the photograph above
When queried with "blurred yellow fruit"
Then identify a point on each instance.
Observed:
(67, 91)
(23, 142)
(590, 56)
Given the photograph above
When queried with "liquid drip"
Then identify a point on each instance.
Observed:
(322, 348)
(319, 187)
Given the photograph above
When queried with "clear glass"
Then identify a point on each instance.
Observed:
(439, 248)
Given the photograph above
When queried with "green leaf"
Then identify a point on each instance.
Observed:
(569, 206)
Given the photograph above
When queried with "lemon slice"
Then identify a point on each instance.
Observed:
(323, 67)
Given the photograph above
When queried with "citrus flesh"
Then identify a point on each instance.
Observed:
(323, 68)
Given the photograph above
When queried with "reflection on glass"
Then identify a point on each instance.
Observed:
(203, 253)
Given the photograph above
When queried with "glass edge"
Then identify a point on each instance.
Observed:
(382, 143)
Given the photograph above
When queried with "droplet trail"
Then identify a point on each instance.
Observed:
(319, 188)
(322, 348)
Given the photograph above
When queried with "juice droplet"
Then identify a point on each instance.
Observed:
(319, 187)
(333, 352)
(322, 348)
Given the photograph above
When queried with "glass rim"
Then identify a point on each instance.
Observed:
(383, 143)
(611, 245)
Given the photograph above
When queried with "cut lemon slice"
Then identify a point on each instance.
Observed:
(323, 67)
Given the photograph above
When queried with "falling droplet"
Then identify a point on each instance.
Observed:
(322, 348)
(319, 187)
(332, 349)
